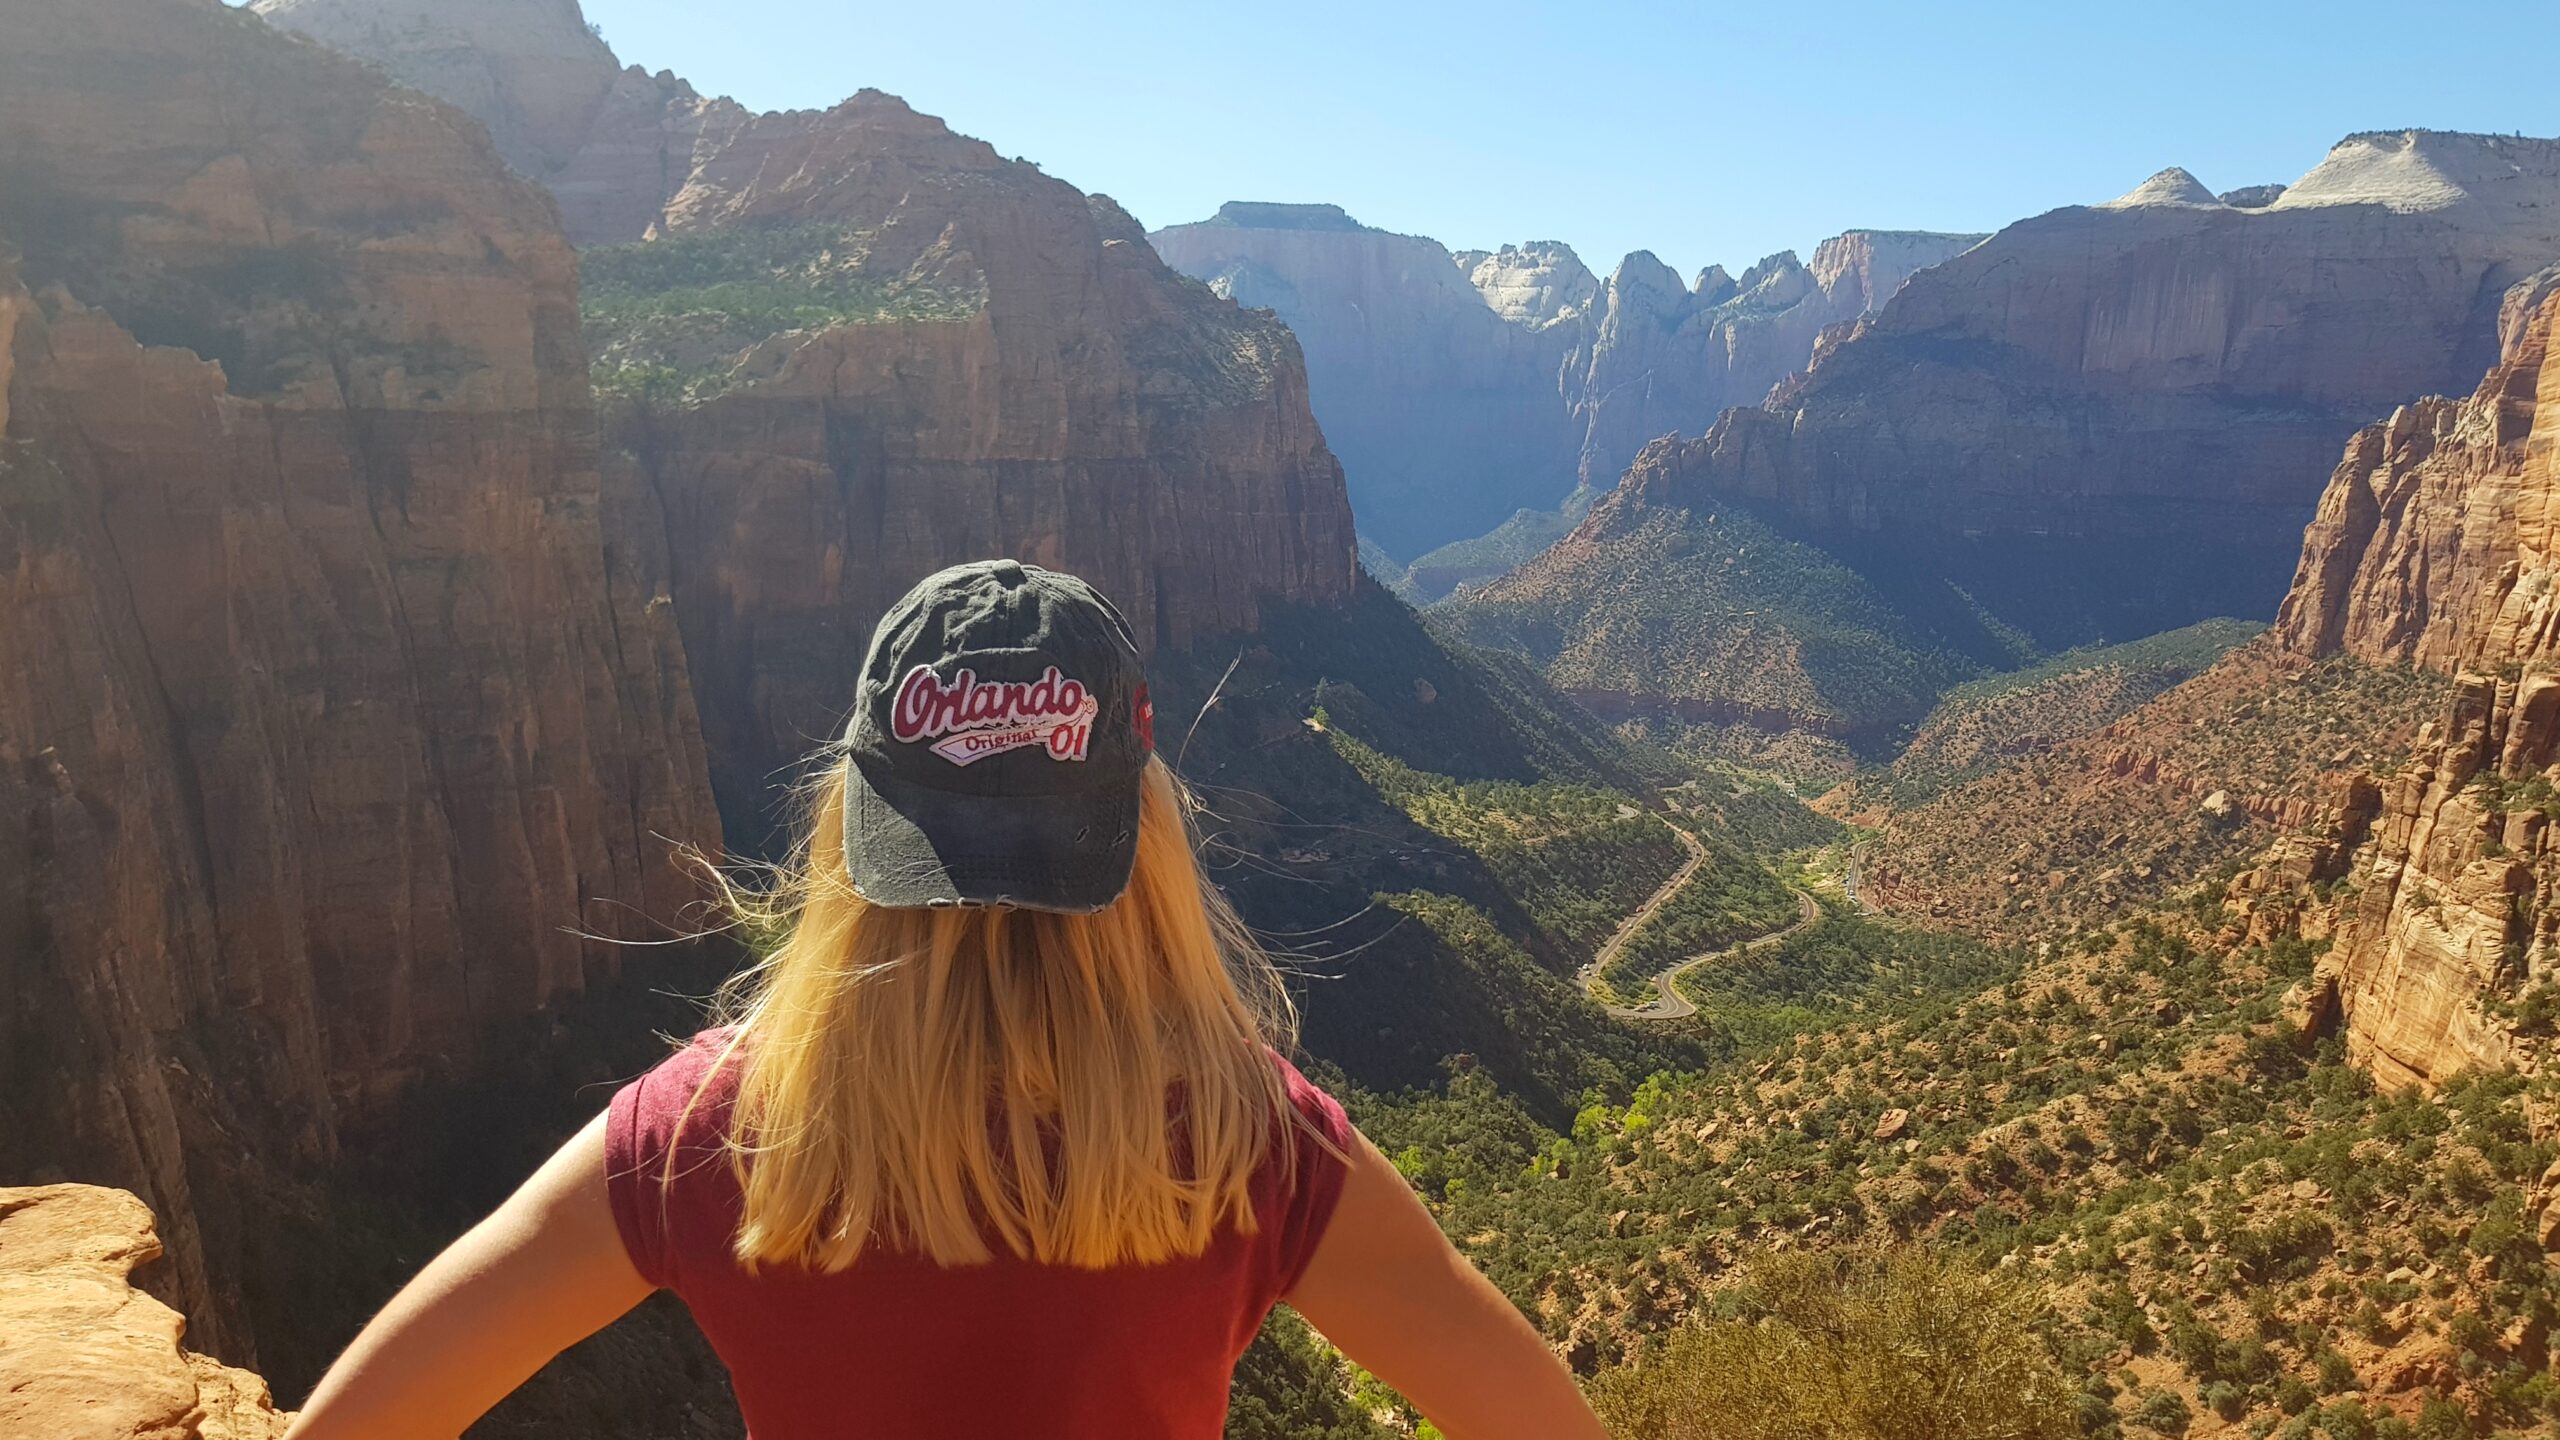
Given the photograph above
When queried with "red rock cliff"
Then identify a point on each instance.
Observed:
(338, 700)
(2436, 544)
(1042, 385)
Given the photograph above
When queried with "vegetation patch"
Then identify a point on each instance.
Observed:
(1981, 723)
(672, 318)
(1717, 616)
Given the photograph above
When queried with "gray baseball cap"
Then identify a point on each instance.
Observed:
(1000, 733)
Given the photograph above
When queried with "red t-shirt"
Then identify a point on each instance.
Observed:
(899, 1348)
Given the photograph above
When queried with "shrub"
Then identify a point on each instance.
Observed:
(2164, 1411)
(1858, 1344)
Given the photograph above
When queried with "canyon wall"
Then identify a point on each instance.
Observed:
(2436, 544)
(1005, 368)
(1659, 357)
(2111, 420)
(339, 716)
(1446, 412)
(1462, 388)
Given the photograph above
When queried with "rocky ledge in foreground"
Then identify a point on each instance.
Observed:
(84, 1355)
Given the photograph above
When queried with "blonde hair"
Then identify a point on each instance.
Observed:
(1085, 1090)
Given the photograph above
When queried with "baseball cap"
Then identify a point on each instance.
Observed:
(1000, 733)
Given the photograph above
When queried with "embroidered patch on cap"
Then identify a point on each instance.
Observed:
(969, 719)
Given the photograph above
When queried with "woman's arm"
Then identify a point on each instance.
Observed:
(544, 1272)
(1388, 1288)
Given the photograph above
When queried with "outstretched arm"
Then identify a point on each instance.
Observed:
(1389, 1289)
(544, 1272)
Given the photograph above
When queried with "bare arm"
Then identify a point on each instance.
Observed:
(1388, 1288)
(544, 1272)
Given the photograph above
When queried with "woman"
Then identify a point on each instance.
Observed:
(998, 1140)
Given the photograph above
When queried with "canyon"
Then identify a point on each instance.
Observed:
(1459, 389)
(2099, 424)
(369, 686)
(2375, 773)
(403, 562)
(2112, 420)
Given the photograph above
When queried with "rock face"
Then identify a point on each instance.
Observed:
(1040, 385)
(530, 69)
(1539, 284)
(2436, 544)
(2112, 420)
(1661, 357)
(1460, 389)
(337, 705)
(84, 1355)
(1445, 411)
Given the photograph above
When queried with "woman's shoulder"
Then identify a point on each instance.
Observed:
(1312, 1103)
(665, 1136)
(689, 1091)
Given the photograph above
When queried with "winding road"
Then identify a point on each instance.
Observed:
(1668, 1003)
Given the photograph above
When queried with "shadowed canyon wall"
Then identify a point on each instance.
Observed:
(335, 711)
(1461, 388)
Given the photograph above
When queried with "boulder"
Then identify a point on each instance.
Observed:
(84, 1355)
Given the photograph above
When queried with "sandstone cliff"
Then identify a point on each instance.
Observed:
(1445, 410)
(979, 359)
(335, 712)
(1660, 357)
(84, 1354)
(2111, 420)
(1460, 389)
(530, 69)
(2435, 544)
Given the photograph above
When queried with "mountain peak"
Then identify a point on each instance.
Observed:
(2173, 186)
(2417, 170)
(1278, 215)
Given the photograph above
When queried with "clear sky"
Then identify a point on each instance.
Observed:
(1701, 132)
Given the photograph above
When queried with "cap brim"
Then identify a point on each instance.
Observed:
(908, 846)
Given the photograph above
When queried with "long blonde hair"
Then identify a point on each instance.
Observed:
(1086, 1090)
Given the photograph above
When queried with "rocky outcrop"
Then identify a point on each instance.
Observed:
(1017, 373)
(2112, 420)
(1460, 389)
(338, 717)
(1539, 284)
(2436, 545)
(1660, 357)
(84, 1354)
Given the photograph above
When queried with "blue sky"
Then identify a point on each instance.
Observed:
(1701, 132)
